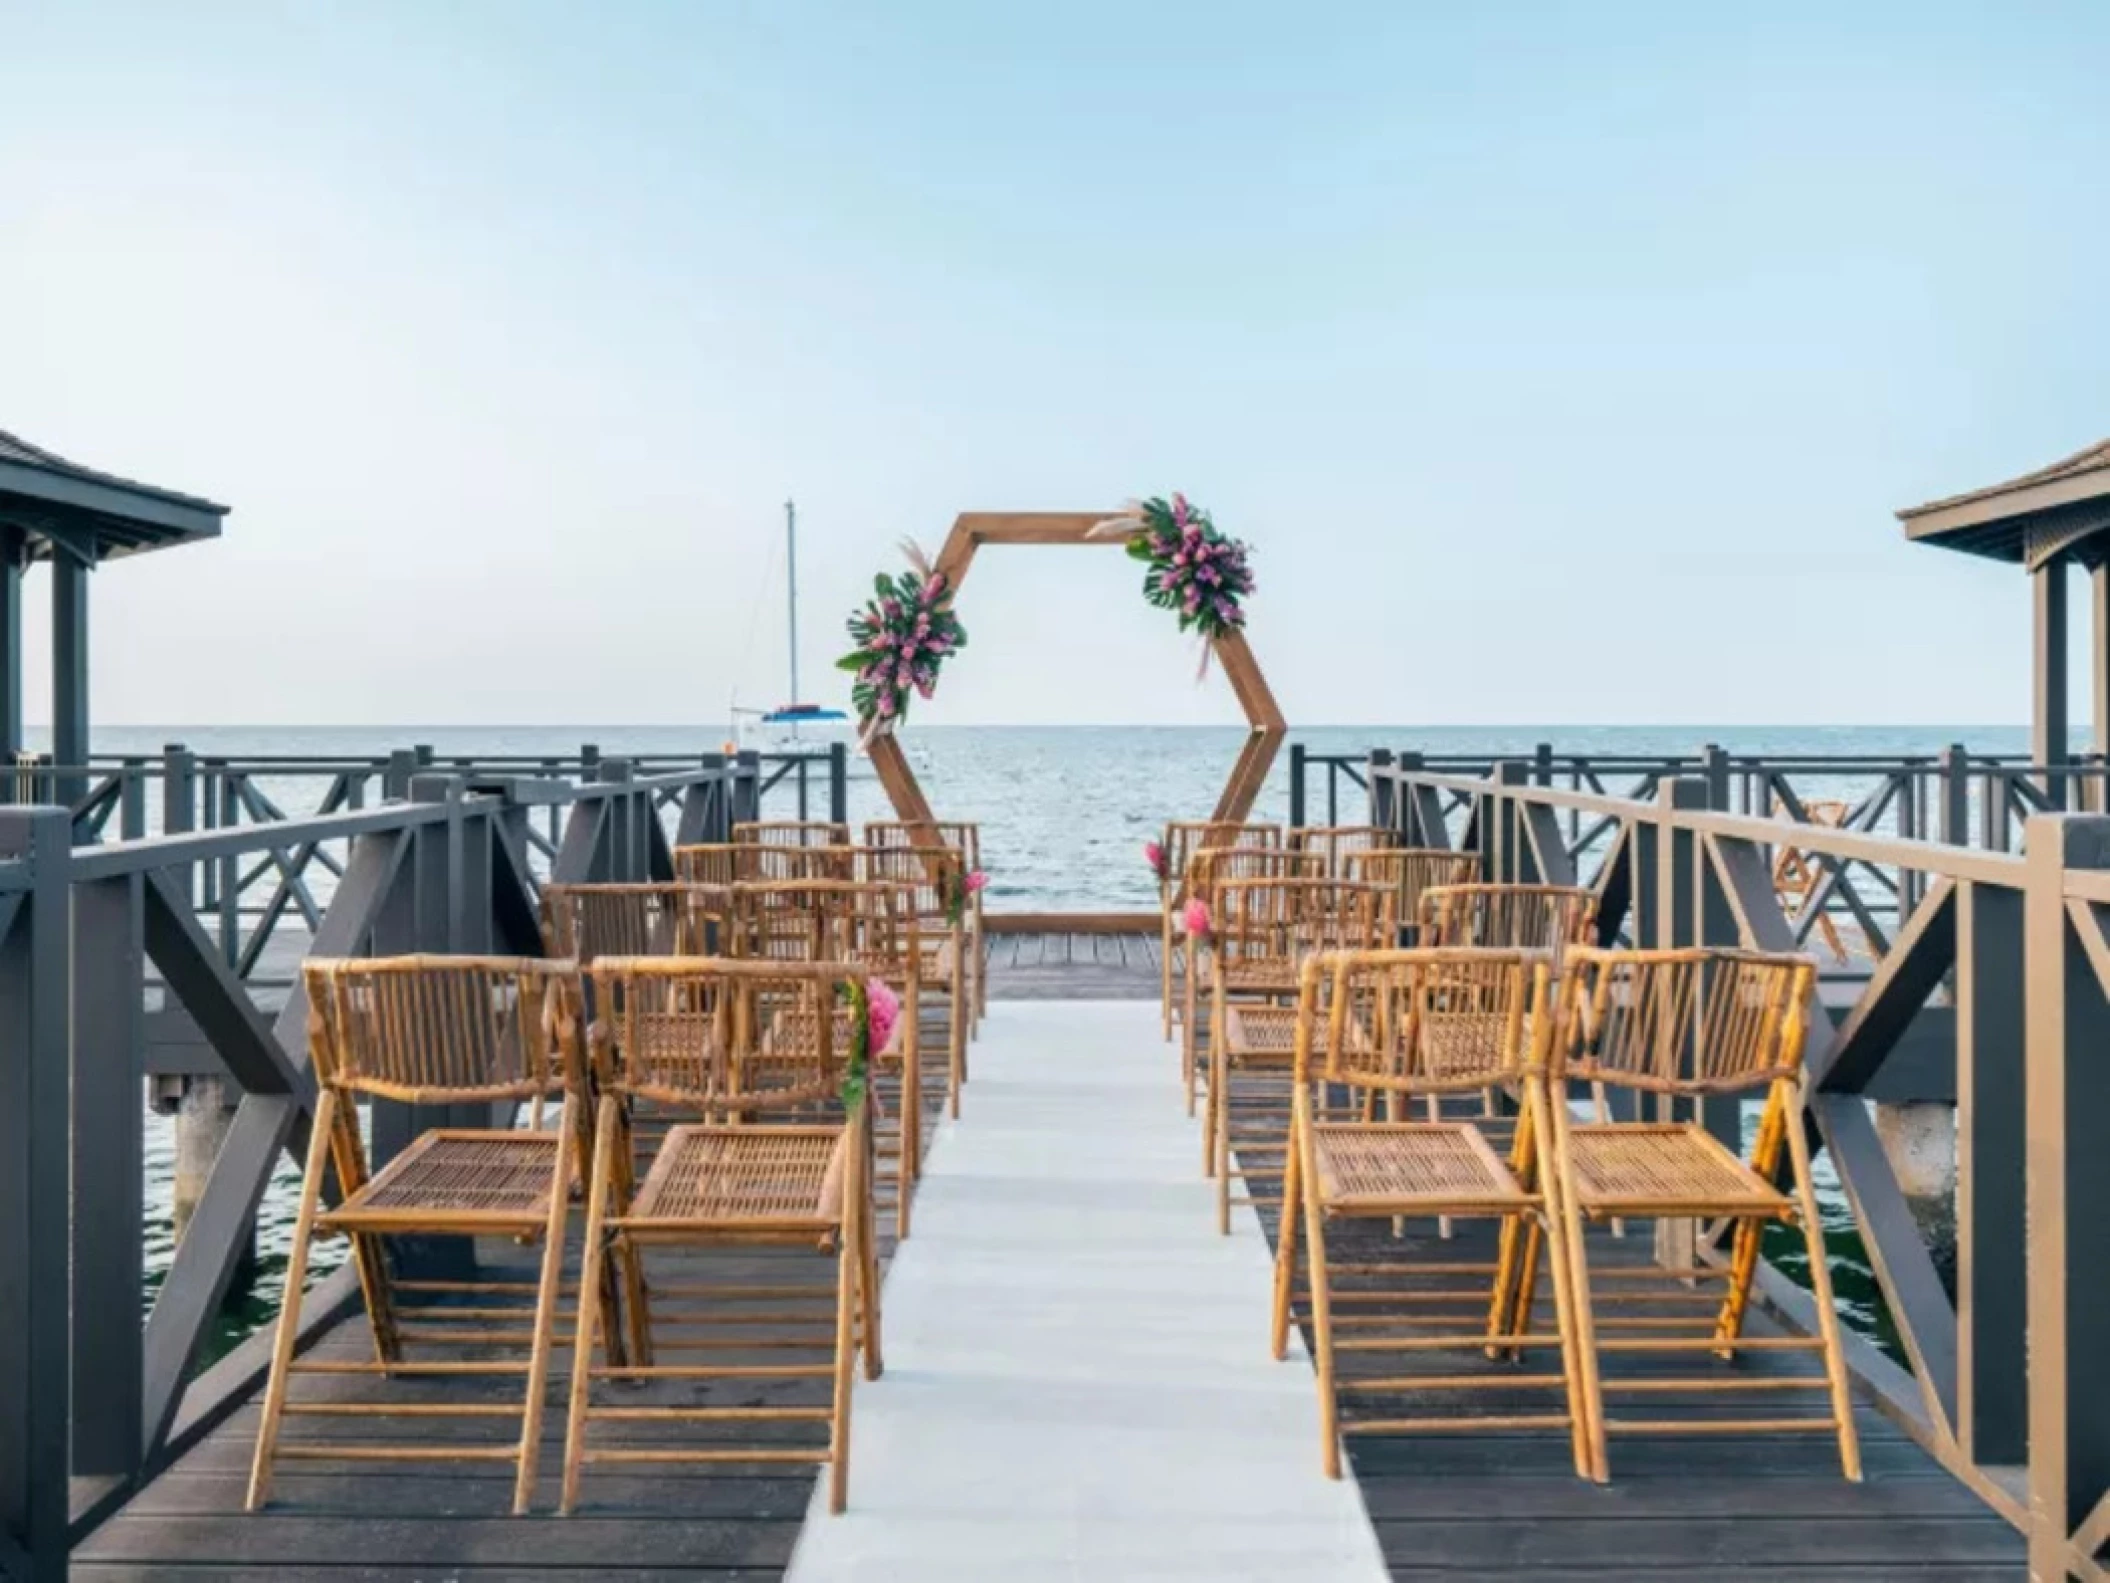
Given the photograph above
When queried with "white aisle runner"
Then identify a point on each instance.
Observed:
(1077, 1383)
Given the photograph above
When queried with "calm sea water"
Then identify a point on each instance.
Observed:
(1064, 812)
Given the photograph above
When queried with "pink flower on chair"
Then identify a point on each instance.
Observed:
(1194, 919)
(882, 1012)
(1154, 855)
(977, 882)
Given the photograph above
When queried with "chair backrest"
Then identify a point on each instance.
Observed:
(930, 875)
(718, 1035)
(1185, 837)
(1334, 842)
(587, 921)
(1430, 1020)
(764, 863)
(1548, 918)
(1215, 866)
(1408, 871)
(790, 921)
(707, 863)
(962, 837)
(442, 1030)
(1284, 920)
(790, 832)
(1689, 1022)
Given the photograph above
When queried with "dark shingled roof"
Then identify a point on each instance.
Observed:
(2060, 510)
(45, 497)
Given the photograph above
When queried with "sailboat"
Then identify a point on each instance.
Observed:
(782, 725)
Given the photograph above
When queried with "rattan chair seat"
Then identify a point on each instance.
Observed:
(734, 1176)
(1411, 1167)
(1268, 1034)
(1638, 1166)
(792, 1032)
(502, 1175)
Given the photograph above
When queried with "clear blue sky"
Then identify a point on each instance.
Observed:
(1563, 363)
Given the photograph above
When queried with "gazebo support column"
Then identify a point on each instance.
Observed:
(10, 645)
(2099, 679)
(69, 670)
(2048, 720)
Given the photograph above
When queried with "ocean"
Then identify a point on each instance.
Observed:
(1064, 811)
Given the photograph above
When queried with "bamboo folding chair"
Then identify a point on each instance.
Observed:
(1797, 873)
(791, 832)
(1184, 838)
(965, 838)
(1686, 1026)
(931, 877)
(1262, 932)
(582, 922)
(875, 929)
(706, 863)
(1208, 870)
(1412, 1023)
(1409, 871)
(434, 1030)
(746, 1043)
(1335, 842)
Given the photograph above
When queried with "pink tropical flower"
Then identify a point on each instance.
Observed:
(977, 882)
(1194, 919)
(882, 1012)
(1154, 855)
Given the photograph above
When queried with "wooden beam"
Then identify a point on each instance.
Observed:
(1073, 923)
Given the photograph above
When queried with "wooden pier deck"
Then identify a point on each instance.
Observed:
(1460, 1506)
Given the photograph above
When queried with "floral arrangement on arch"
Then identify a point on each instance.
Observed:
(1199, 573)
(903, 635)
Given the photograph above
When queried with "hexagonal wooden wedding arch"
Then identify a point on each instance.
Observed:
(973, 529)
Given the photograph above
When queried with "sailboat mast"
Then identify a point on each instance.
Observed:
(791, 582)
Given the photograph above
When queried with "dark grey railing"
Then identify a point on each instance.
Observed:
(92, 1400)
(2007, 958)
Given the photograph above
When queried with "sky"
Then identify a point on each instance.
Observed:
(1561, 363)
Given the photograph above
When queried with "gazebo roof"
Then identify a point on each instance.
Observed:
(98, 515)
(2060, 509)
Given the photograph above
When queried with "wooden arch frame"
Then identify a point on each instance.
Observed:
(973, 529)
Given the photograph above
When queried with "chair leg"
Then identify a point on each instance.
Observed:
(1190, 1053)
(1286, 1247)
(546, 1324)
(1580, 1417)
(593, 1264)
(289, 1302)
(1827, 1309)
(846, 1273)
(1322, 1337)
(1568, 1245)
(1220, 1134)
(957, 1052)
(1165, 966)
(868, 1289)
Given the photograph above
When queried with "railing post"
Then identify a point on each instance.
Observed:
(132, 800)
(1296, 785)
(839, 782)
(1676, 924)
(1955, 795)
(714, 828)
(747, 787)
(1409, 762)
(36, 1146)
(1515, 863)
(1384, 793)
(109, 1144)
(229, 889)
(436, 918)
(395, 779)
(1714, 770)
(1542, 764)
(2066, 1089)
(625, 839)
(589, 756)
